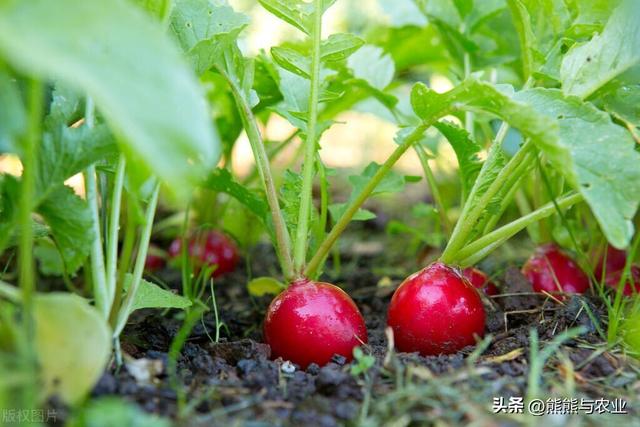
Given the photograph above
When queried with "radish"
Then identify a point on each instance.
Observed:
(611, 261)
(480, 280)
(632, 284)
(311, 321)
(436, 311)
(208, 249)
(155, 261)
(552, 270)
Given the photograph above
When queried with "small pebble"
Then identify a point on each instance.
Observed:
(287, 367)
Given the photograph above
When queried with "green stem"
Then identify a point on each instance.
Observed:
(433, 185)
(300, 245)
(497, 237)
(505, 200)
(25, 243)
(493, 151)
(321, 228)
(324, 201)
(10, 292)
(505, 194)
(354, 205)
(28, 180)
(524, 207)
(128, 245)
(271, 154)
(468, 115)
(98, 274)
(461, 228)
(283, 241)
(114, 226)
(141, 258)
(470, 215)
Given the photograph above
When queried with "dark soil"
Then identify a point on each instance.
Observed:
(234, 382)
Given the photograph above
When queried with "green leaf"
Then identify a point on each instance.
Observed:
(391, 183)
(484, 10)
(12, 114)
(49, 259)
(475, 95)
(205, 30)
(441, 10)
(9, 199)
(402, 13)
(591, 15)
(135, 76)
(621, 97)
(157, 8)
(339, 46)
(222, 181)
(466, 152)
(596, 156)
(73, 343)
(67, 106)
(293, 12)
(66, 151)
(150, 295)
(292, 60)
(295, 91)
(464, 7)
(589, 66)
(208, 33)
(630, 329)
(372, 65)
(69, 220)
(522, 22)
(337, 209)
(624, 101)
(444, 15)
(290, 191)
(261, 286)
(114, 411)
(297, 13)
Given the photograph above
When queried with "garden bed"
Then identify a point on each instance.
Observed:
(235, 381)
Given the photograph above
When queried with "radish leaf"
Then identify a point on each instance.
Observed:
(69, 219)
(589, 66)
(150, 295)
(596, 156)
(73, 343)
(466, 152)
(136, 77)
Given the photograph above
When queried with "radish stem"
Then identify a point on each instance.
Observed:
(138, 269)
(302, 232)
(477, 250)
(283, 241)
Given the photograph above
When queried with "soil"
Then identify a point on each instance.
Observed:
(234, 381)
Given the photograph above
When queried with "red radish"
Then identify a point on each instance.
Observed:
(551, 270)
(631, 286)
(611, 261)
(480, 280)
(436, 311)
(209, 248)
(155, 261)
(311, 321)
